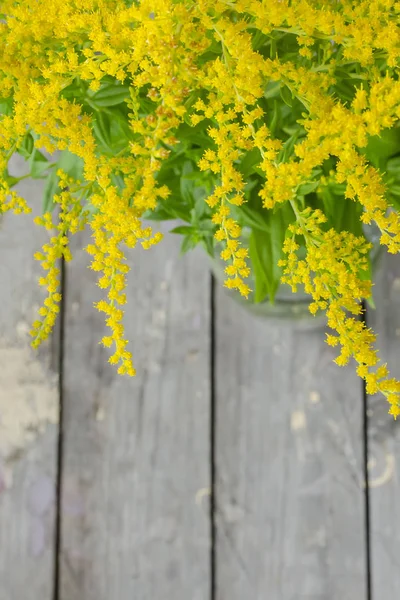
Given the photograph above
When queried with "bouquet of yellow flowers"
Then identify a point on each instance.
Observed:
(275, 117)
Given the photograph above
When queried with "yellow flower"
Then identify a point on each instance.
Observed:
(186, 63)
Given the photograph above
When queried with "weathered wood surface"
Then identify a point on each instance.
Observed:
(289, 484)
(28, 415)
(384, 441)
(136, 459)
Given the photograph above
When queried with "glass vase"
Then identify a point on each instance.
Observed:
(287, 306)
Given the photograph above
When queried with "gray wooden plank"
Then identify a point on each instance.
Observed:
(289, 490)
(384, 440)
(135, 516)
(28, 415)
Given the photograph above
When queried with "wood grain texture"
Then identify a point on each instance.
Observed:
(28, 415)
(289, 489)
(384, 440)
(136, 463)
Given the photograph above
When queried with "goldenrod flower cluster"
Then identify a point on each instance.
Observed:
(71, 218)
(266, 105)
(332, 273)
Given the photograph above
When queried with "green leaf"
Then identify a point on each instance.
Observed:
(333, 207)
(352, 217)
(194, 135)
(6, 106)
(265, 250)
(258, 256)
(109, 94)
(208, 243)
(10, 180)
(259, 39)
(76, 90)
(50, 189)
(182, 229)
(393, 166)
(158, 214)
(38, 164)
(253, 218)
(288, 147)
(118, 181)
(26, 147)
(286, 95)
(345, 90)
(71, 164)
(272, 90)
(102, 130)
(380, 148)
(200, 207)
(172, 208)
(188, 243)
(186, 183)
(394, 201)
(275, 117)
(343, 213)
(338, 188)
(307, 188)
(249, 161)
(395, 189)
(121, 132)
